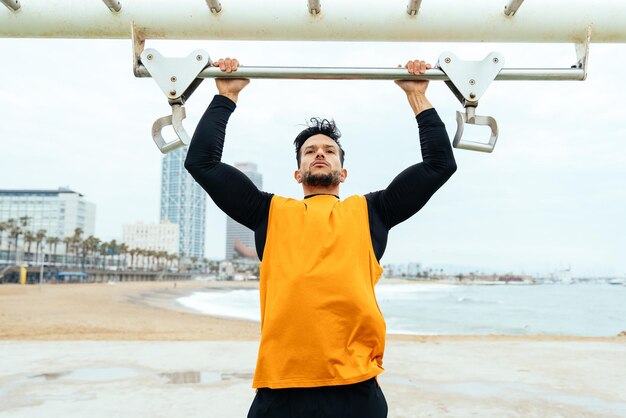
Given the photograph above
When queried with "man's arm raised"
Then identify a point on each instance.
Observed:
(231, 190)
(413, 187)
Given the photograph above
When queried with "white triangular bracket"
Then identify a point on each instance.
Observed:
(175, 75)
(469, 80)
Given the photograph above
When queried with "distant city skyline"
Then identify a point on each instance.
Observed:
(183, 202)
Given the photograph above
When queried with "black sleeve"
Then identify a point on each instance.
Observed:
(413, 187)
(231, 190)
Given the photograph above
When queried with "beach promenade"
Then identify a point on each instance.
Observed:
(128, 350)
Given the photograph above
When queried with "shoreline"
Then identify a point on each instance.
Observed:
(149, 311)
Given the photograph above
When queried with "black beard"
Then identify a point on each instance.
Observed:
(324, 180)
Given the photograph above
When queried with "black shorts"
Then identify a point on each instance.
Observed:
(359, 400)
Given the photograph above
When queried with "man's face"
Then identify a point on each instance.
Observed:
(320, 164)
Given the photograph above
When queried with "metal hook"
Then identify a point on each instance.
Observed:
(471, 118)
(176, 121)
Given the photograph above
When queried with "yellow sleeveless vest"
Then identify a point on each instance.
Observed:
(320, 322)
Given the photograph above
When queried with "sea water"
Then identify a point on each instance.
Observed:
(451, 309)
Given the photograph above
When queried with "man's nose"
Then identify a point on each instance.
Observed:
(320, 153)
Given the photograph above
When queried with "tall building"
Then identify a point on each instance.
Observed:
(59, 212)
(183, 202)
(155, 237)
(239, 239)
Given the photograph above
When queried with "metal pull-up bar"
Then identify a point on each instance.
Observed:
(377, 73)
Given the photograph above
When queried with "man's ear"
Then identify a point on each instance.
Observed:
(344, 175)
(298, 176)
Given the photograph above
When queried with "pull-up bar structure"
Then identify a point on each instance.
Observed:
(555, 21)
(552, 21)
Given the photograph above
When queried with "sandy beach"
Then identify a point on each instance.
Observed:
(129, 350)
(119, 311)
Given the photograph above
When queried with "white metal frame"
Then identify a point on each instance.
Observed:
(550, 21)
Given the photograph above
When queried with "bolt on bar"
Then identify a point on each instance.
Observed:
(113, 5)
(315, 7)
(372, 73)
(511, 8)
(215, 6)
(11, 4)
(413, 7)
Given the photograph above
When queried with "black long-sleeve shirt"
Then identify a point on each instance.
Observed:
(234, 193)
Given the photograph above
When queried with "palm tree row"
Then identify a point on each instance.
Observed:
(88, 253)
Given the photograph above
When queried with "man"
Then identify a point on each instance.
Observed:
(322, 333)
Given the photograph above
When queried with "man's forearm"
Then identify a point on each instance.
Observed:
(208, 139)
(434, 143)
(418, 102)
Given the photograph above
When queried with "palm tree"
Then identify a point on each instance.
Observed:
(144, 258)
(89, 246)
(104, 249)
(53, 241)
(76, 240)
(162, 260)
(10, 224)
(156, 256)
(39, 237)
(174, 259)
(114, 248)
(155, 260)
(151, 258)
(133, 253)
(94, 247)
(3, 227)
(139, 255)
(14, 233)
(68, 241)
(29, 238)
(123, 250)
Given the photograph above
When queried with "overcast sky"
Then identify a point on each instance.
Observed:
(552, 194)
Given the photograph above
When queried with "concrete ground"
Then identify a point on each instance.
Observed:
(446, 378)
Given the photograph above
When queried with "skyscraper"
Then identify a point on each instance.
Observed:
(183, 202)
(239, 239)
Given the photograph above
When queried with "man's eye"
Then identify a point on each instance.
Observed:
(330, 151)
(308, 151)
